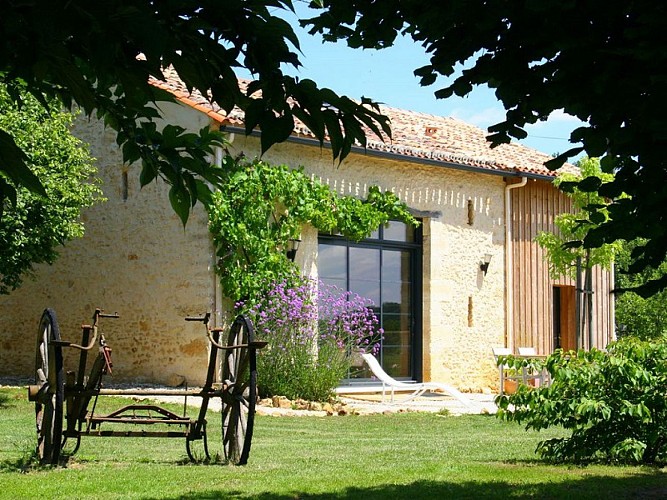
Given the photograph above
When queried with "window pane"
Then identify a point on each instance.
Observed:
(337, 282)
(395, 265)
(362, 372)
(365, 273)
(399, 231)
(395, 297)
(396, 361)
(365, 264)
(396, 338)
(383, 274)
(331, 261)
(367, 289)
(392, 323)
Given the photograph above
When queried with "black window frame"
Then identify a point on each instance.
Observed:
(415, 249)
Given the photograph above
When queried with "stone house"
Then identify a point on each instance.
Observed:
(468, 279)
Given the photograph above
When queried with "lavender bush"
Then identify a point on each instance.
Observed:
(312, 329)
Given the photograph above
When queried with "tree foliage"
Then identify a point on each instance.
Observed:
(100, 55)
(260, 207)
(642, 317)
(33, 226)
(612, 402)
(600, 61)
(564, 247)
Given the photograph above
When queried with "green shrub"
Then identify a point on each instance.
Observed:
(34, 227)
(614, 402)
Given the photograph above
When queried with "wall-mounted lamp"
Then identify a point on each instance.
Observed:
(484, 265)
(292, 247)
(228, 250)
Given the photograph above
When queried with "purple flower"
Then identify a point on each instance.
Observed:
(308, 325)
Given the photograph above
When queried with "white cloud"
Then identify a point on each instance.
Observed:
(557, 118)
(482, 118)
(562, 116)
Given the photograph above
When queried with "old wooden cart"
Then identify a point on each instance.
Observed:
(62, 399)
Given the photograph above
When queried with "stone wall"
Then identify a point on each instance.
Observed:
(135, 259)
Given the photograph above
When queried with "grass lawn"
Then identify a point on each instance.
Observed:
(371, 457)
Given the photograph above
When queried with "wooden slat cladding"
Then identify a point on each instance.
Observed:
(534, 208)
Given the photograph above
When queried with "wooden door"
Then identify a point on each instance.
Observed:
(565, 322)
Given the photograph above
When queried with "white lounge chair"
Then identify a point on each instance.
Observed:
(417, 388)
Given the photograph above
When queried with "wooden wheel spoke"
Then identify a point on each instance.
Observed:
(225, 411)
(243, 421)
(238, 391)
(43, 355)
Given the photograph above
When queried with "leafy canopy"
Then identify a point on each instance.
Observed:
(601, 61)
(34, 226)
(642, 317)
(100, 55)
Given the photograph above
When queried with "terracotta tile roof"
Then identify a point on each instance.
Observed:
(419, 136)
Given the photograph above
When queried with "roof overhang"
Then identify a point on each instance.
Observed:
(307, 141)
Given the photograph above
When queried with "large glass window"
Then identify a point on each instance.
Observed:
(385, 268)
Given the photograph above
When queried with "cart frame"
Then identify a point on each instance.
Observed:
(55, 391)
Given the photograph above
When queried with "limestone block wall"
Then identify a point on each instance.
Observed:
(463, 310)
(135, 259)
(467, 308)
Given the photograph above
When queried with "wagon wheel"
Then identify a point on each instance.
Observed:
(49, 400)
(239, 374)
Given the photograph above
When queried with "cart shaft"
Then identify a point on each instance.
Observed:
(155, 434)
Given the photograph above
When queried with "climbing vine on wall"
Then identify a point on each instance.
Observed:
(260, 207)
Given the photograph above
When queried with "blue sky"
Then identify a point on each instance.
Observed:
(386, 76)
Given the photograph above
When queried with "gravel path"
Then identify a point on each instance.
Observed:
(365, 404)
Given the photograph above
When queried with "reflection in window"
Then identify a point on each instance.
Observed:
(331, 261)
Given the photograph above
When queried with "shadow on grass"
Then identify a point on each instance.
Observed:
(651, 485)
(27, 461)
